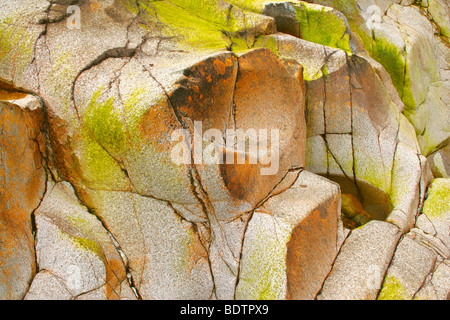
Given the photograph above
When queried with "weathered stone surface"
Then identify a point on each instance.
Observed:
(74, 252)
(290, 242)
(411, 264)
(439, 11)
(437, 208)
(352, 123)
(425, 224)
(46, 286)
(165, 252)
(440, 162)
(358, 270)
(431, 241)
(402, 37)
(129, 115)
(22, 186)
(441, 280)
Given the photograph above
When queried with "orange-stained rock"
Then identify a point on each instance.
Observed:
(206, 92)
(306, 268)
(22, 185)
(291, 242)
(269, 96)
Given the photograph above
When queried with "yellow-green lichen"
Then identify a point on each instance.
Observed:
(203, 24)
(256, 6)
(211, 11)
(393, 289)
(130, 5)
(323, 25)
(376, 176)
(99, 169)
(438, 201)
(135, 105)
(191, 30)
(60, 77)
(391, 58)
(16, 48)
(182, 247)
(263, 268)
(88, 244)
(105, 122)
(267, 42)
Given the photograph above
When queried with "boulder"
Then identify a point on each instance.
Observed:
(352, 122)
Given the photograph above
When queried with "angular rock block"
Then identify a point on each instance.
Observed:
(411, 264)
(440, 162)
(75, 254)
(437, 208)
(352, 123)
(291, 241)
(22, 185)
(358, 270)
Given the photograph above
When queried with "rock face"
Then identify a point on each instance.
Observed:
(74, 252)
(224, 150)
(22, 186)
(293, 263)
